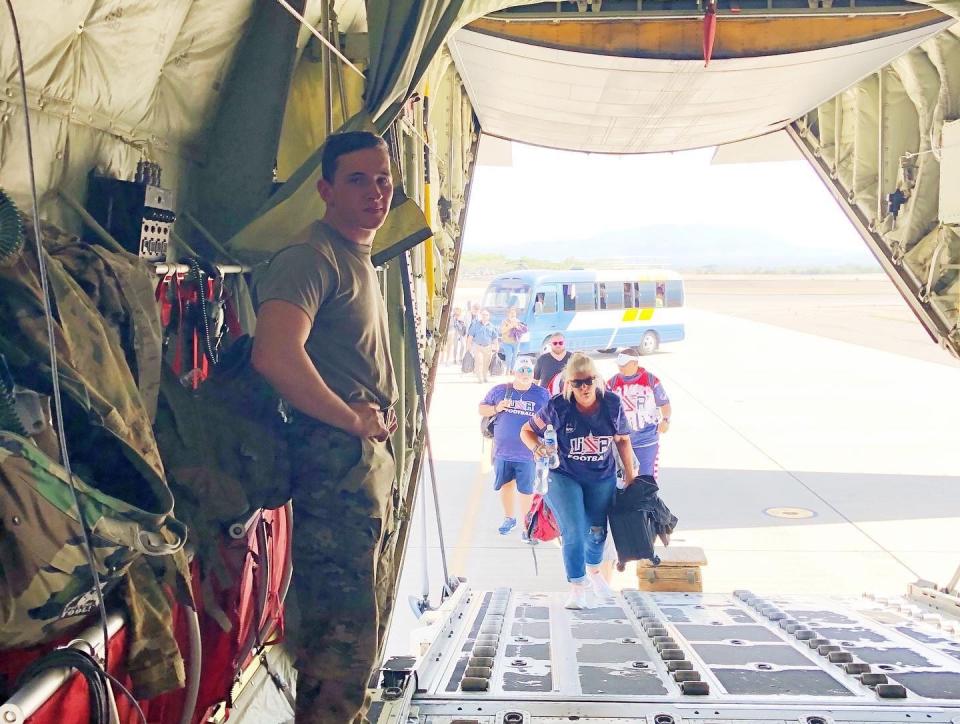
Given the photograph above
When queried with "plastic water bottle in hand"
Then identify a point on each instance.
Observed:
(550, 440)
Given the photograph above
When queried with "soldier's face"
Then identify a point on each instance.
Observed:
(362, 187)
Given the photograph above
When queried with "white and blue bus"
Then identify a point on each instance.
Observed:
(595, 309)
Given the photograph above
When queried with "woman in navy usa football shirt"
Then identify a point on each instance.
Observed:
(588, 424)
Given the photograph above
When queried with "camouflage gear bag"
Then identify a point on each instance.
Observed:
(45, 582)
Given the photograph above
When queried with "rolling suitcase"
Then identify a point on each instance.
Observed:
(636, 517)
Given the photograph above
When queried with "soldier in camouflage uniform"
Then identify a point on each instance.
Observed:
(322, 342)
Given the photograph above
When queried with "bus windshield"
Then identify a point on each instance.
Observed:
(507, 293)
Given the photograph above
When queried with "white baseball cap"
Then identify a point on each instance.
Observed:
(625, 358)
(523, 363)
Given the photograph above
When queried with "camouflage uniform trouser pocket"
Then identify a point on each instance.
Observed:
(343, 565)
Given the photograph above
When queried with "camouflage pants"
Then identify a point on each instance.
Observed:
(343, 566)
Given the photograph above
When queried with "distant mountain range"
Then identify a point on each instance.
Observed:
(691, 248)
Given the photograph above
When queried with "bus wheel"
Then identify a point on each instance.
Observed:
(649, 342)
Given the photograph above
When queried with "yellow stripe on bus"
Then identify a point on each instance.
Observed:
(637, 315)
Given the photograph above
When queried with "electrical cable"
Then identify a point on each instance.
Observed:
(54, 368)
(87, 666)
(448, 583)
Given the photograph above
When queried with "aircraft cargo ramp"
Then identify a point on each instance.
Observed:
(503, 656)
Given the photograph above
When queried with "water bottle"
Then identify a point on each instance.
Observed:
(541, 480)
(550, 440)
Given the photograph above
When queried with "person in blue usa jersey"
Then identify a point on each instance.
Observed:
(514, 471)
(588, 423)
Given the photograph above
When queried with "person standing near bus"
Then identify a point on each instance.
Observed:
(514, 470)
(588, 424)
(482, 339)
(647, 408)
(551, 363)
(511, 330)
(456, 337)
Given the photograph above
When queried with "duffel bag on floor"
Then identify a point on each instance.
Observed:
(47, 586)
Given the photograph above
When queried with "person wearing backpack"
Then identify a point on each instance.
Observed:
(506, 407)
(588, 423)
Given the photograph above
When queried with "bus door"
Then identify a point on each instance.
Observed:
(546, 316)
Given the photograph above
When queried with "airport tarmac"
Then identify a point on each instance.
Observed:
(816, 394)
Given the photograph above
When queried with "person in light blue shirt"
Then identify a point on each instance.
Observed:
(482, 338)
(514, 470)
(589, 423)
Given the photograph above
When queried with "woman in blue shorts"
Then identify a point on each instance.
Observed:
(588, 424)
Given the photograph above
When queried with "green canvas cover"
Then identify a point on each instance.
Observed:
(46, 586)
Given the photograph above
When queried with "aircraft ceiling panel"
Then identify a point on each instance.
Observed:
(614, 104)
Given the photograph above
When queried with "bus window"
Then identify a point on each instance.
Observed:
(584, 296)
(614, 295)
(674, 293)
(569, 297)
(601, 295)
(507, 293)
(546, 303)
(646, 294)
(629, 298)
(661, 293)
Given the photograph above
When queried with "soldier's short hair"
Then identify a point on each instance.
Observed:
(340, 144)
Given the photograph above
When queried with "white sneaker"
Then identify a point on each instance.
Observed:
(600, 586)
(581, 597)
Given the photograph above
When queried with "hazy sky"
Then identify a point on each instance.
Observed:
(558, 195)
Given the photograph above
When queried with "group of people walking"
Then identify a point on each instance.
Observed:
(595, 422)
(474, 335)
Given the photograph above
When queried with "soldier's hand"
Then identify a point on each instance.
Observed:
(392, 422)
(369, 421)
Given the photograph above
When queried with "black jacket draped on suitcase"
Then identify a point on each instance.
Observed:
(637, 517)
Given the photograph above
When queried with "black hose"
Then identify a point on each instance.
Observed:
(11, 229)
(87, 666)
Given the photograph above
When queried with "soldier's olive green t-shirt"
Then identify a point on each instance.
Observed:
(333, 280)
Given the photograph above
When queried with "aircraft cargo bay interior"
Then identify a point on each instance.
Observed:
(479, 361)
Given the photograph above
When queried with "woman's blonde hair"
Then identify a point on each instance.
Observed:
(580, 365)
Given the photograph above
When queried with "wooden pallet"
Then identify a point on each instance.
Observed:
(679, 570)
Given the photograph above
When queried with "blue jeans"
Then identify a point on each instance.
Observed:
(509, 355)
(580, 507)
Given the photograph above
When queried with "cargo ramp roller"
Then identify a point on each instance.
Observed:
(507, 656)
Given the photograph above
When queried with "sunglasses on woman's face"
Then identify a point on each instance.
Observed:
(585, 382)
